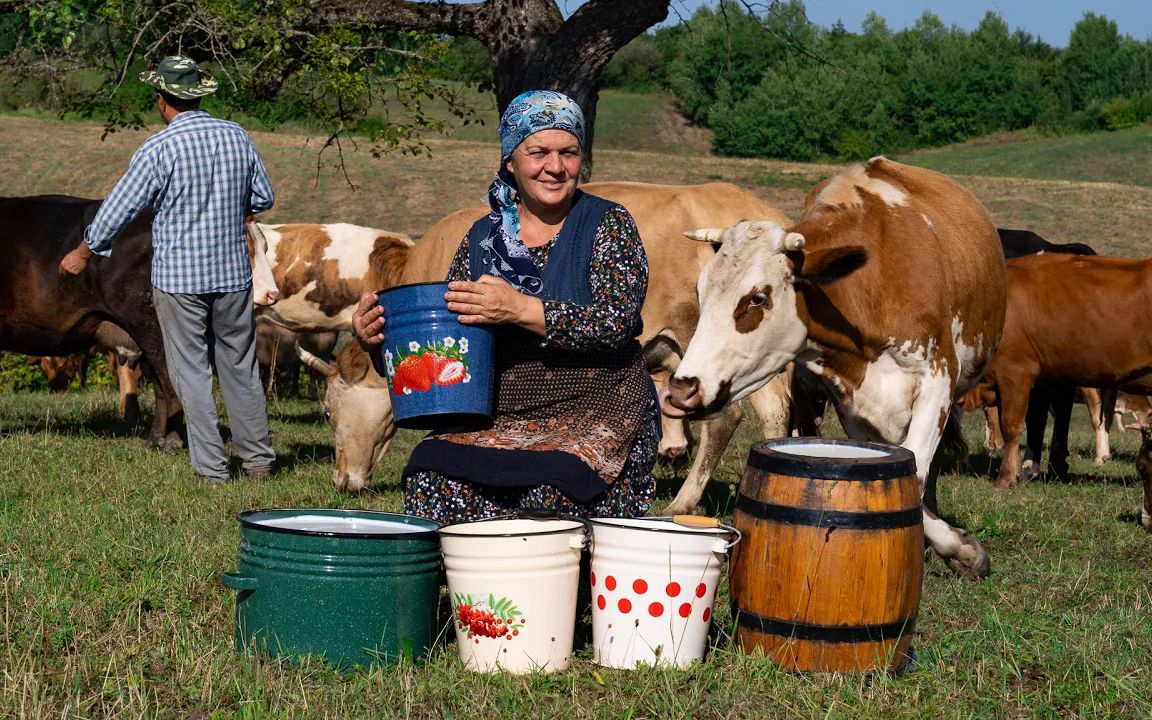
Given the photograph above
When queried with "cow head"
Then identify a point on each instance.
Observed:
(750, 327)
(357, 405)
(264, 290)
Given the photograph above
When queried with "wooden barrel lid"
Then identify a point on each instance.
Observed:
(845, 460)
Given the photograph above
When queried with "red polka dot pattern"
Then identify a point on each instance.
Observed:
(601, 602)
(707, 614)
(640, 587)
(610, 582)
(685, 610)
(673, 589)
(625, 605)
(593, 579)
(656, 609)
(701, 589)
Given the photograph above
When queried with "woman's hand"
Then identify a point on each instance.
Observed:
(492, 301)
(368, 321)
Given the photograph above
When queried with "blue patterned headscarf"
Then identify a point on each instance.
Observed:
(505, 255)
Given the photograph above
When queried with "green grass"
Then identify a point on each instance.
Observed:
(1124, 156)
(111, 556)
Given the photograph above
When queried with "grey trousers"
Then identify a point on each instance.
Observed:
(219, 329)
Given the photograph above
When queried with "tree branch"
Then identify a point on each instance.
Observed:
(431, 17)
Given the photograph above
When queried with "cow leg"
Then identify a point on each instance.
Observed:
(1105, 414)
(1061, 395)
(168, 417)
(772, 405)
(962, 552)
(992, 438)
(1146, 508)
(714, 437)
(1036, 421)
(1093, 403)
(1013, 409)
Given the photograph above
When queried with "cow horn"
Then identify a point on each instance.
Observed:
(324, 368)
(793, 241)
(708, 235)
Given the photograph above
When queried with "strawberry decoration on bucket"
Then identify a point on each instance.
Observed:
(419, 368)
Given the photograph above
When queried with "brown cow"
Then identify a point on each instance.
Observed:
(1058, 327)
(278, 360)
(320, 271)
(662, 213)
(890, 288)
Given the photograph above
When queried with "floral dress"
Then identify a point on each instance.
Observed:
(585, 429)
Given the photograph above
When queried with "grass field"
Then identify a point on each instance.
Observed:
(110, 554)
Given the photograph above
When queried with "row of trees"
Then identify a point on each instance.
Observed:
(766, 80)
(773, 84)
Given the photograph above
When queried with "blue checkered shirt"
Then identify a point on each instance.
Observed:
(203, 176)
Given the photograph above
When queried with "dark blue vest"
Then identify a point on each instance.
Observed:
(566, 275)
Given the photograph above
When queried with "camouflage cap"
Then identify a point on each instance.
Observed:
(180, 77)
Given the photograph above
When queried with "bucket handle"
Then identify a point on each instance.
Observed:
(585, 539)
(702, 521)
(236, 581)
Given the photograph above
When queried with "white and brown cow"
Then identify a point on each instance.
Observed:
(891, 289)
(318, 272)
(662, 213)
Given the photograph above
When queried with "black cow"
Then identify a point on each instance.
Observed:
(43, 312)
(1018, 243)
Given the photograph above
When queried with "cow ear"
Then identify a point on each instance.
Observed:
(827, 266)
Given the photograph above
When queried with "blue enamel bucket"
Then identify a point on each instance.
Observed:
(439, 370)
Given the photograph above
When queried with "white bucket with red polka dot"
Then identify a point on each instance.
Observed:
(513, 589)
(653, 586)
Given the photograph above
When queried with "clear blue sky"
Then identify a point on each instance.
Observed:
(1050, 20)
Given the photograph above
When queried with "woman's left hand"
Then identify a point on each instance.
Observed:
(492, 301)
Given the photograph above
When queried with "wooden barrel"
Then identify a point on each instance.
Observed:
(828, 573)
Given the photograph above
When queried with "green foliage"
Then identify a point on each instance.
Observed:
(17, 374)
(84, 56)
(636, 67)
(774, 85)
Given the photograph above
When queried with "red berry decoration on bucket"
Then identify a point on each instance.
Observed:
(640, 587)
(411, 374)
(500, 618)
(448, 371)
(673, 589)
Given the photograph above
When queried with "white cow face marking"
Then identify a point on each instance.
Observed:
(749, 328)
(264, 290)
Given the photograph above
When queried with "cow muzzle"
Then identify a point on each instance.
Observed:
(267, 298)
(682, 397)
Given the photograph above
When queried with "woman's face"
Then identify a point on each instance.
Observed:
(546, 166)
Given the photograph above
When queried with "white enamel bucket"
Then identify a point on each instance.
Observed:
(513, 589)
(653, 587)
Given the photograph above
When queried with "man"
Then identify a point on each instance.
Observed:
(202, 176)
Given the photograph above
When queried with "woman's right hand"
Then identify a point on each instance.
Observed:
(368, 321)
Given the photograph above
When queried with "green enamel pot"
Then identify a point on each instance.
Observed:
(354, 586)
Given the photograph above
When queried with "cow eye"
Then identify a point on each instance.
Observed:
(758, 299)
(328, 416)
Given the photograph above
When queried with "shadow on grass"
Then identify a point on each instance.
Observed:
(987, 466)
(102, 424)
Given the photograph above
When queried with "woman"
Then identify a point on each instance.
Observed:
(563, 275)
